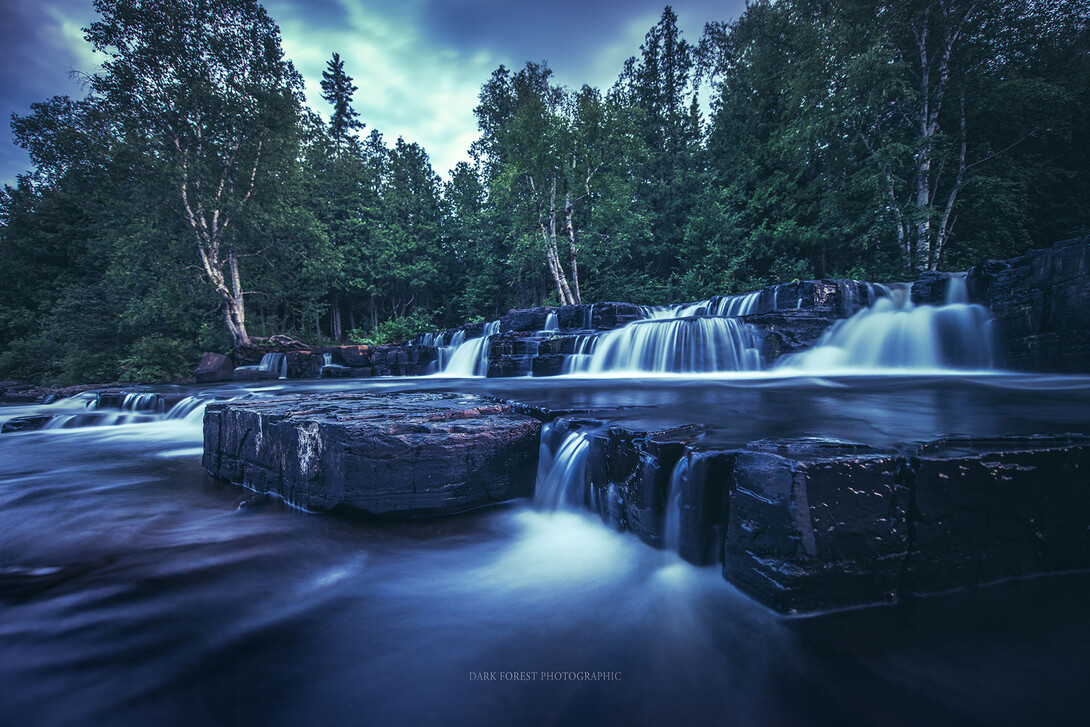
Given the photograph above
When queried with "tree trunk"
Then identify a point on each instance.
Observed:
(335, 318)
(569, 212)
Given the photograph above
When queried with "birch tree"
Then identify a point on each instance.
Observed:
(207, 82)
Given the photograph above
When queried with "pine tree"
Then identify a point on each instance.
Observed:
(337, 90)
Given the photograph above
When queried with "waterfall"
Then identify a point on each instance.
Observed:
(579, 360)
(143, 403)
(190, 409)
(720, 305)
(552, 322)
(274, 362)
(672, 521)
(895, 334)
(674, 345)
(562, 469)
(470, 358)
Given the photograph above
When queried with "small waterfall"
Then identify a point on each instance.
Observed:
(552, 322)
(895, 334)
(327, 359)
(470, 358)
(676, 345)
(562, 469)
(188, 409)
(672, 523)
(720, 305)
(859, 294)
(274, 362)
(580, 359)
(144, 402)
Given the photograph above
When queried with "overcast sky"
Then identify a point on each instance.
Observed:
(419, 64)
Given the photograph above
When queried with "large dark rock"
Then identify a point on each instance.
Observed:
(986, 510)
(933, 288)
(1041, 302)
(355, 356)
(508, 366)
(525, 319)
(214, 367)
(574, 317)
(548, 365)
(784, 332)
(406, 454)
(25, 424)
(607, 316)
(817, 524)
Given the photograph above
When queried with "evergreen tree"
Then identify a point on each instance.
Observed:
(337, 90)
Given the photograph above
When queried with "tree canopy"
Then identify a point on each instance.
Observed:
(191, 201)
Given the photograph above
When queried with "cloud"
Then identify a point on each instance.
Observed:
(409, 85)
(419, 64)
(43, 45)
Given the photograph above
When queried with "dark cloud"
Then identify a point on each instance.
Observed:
(567, 32)
(419, 63)
(40, 51)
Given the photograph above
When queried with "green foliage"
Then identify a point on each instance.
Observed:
(154, 359)
(809, 163)
(396, 330)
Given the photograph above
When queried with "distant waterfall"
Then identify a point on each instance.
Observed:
(470, 358)
(895, 334)
(552, 322)
(720, 305)
(273, 362)
(673, 345)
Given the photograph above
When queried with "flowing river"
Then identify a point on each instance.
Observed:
(135, 590)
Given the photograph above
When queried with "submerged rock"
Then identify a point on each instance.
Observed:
(407, 454)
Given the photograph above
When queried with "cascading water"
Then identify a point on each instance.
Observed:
(675, 345)
(720, 305)
(893, 333)
(470, 358)
(672, 521)
(273, 362)
(552, 322)
(562, 469)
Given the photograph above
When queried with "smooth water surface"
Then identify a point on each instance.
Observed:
(136, 590)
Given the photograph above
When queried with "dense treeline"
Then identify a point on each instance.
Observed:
(193, 202)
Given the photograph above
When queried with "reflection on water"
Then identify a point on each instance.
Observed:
(135, 590)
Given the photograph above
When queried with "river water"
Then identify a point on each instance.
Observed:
(135, 590)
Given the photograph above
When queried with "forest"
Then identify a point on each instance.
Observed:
(192, 201)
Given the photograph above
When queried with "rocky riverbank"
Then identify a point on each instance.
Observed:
(803, 525)
(1040, 300)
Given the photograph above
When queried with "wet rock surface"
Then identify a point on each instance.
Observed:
(809, 525)
(1041, 301)
(214, 367)
(408, 454)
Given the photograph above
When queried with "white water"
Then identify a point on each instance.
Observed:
(274, 362)
(561, 469)
(672, 346)
(720, 305)
(894, 334)
(552, 322)
(470, 358)
(672, 523)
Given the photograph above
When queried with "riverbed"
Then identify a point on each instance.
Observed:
(134, 589)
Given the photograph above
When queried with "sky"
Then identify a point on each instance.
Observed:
(419, 64)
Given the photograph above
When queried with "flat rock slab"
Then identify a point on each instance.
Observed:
(403, 454)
